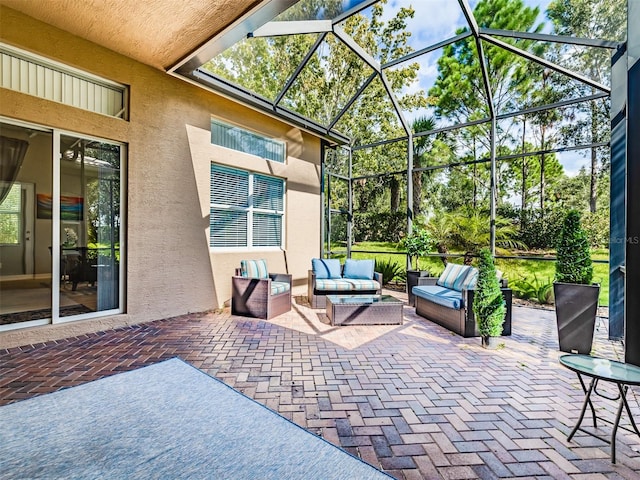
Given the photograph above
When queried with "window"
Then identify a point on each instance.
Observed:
(247, 209)
(10, 216)
(34, 75)
(236, 138)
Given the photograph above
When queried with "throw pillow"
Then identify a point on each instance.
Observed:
(254, 268)
(326, 268)
(359, 269)
(470, 280)
(453, 276)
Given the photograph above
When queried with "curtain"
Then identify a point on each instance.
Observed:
(12, 152)
(108, 234)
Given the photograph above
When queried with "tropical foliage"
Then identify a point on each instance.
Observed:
(389, 270)
(536, 289)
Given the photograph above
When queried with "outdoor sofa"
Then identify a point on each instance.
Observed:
(328, 277)
(448, 300)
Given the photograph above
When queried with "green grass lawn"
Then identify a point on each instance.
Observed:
(513, 270)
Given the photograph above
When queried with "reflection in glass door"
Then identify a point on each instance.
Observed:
(60, 226)
(25, 240)
(89, 225)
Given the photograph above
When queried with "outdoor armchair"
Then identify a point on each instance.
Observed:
(258, 293)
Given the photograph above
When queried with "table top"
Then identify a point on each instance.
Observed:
(362, 299)
(602, 368)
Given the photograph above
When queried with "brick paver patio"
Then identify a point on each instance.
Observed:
(413, 399)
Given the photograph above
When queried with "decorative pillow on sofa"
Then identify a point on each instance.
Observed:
(470, 280)
(453, 276)
(254, 268)
(359, 269)
(326, 267)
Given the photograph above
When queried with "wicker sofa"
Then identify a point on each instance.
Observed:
(329, 277)
(448, 300)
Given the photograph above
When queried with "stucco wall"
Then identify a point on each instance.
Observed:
(170, 268)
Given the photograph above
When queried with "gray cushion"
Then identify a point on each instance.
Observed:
(440, 295)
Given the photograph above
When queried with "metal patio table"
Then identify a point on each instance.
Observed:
(622, 374)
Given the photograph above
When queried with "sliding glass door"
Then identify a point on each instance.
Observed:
(60, 226)
(89, 225)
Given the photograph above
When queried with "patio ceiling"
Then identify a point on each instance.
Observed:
(155, 32)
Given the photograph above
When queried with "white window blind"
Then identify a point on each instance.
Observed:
(229, 187)
(267, 230)
(242, 140)
(228, 228)
(28, 73)
(246, 209)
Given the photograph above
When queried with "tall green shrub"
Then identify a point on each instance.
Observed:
(488, 304)
(573, 263)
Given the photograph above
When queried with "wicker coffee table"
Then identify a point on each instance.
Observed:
(364, 310)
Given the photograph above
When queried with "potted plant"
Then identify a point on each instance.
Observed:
(417, 244)
(489, 306)
(576, 297)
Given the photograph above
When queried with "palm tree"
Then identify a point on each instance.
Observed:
(471, 233)
(440, 228)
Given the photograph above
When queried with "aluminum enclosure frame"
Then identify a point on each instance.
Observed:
(258, 22)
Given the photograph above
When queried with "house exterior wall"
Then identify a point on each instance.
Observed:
(170, 268)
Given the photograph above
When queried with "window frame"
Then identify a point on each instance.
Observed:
(249, 209)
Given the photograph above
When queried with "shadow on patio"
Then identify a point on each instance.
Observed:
(412, 399)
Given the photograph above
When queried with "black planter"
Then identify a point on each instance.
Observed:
(412, 281)
(576, 307)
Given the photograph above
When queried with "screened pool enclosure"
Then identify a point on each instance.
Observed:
(430, 111)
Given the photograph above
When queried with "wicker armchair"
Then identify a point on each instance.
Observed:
(262, 295)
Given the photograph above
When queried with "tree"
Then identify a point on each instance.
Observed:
(459, 95)
(333, 74)
(440, 229)
(459, 92)
(471, 232)
(421, 147)
(586, 18)
(417, 244)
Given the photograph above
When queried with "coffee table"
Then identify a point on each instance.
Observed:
(364, 310)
